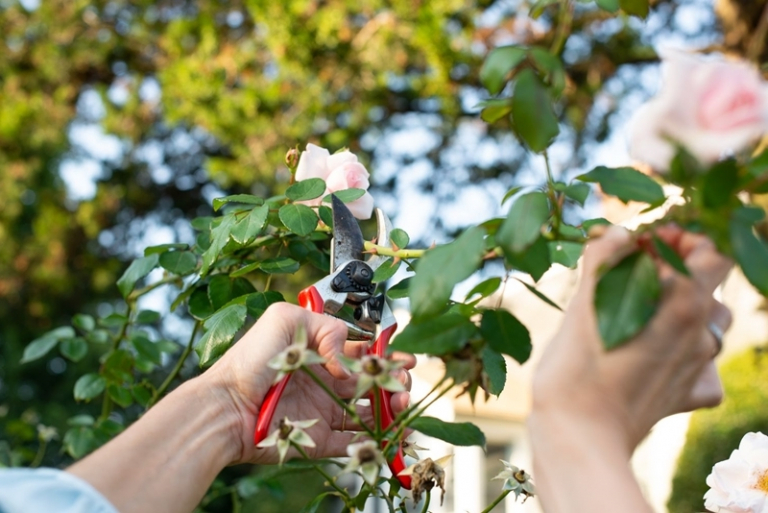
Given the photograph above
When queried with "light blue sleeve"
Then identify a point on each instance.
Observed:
(47, 490)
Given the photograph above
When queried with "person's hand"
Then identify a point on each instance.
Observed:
(667, 368)
(241, 379)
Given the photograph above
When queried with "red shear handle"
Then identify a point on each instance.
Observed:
(385, 414)
(310, 299)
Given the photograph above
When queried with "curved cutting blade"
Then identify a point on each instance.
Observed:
(384, 228)
(347, 241)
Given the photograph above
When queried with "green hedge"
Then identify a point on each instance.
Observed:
(713, 434)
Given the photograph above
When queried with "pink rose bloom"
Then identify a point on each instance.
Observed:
(340, 171)
(710, 107)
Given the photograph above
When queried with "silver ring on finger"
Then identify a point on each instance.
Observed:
(716, 332)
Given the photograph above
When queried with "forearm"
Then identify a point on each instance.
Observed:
(166, 460)
(581, 466)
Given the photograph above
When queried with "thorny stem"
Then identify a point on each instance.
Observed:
(133, 296)
(106, 406)
(757, 41)
(564, 20)
(496, 502)
(344, 494)
(176, 369)
(427, 500)
(402, 425)
(40, 454)
(216, 494)
(553, 197)
(236, 506)
(344, 406)
(370, 247)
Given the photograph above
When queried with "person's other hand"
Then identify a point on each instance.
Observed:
(241, 378)
(667, 368)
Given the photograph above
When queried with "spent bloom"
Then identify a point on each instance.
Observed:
(709, 106)
(340, 171)
(373, 370)
(366, 458)
(740, 483)
(294, 356)
(410, 448)
(287, 433)
(425, 475)
(516, 480)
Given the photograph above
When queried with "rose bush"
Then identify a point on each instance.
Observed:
(710, 106)
(340, 171)
(740, 483)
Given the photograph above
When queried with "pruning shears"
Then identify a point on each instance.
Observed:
(350, 282)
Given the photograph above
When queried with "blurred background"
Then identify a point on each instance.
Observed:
(121, 121)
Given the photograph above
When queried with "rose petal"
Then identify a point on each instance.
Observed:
(347, 176)
(362, 208)
(646, 144)
(313, 163)
(340, 158)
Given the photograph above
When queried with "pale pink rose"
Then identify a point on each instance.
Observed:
(709, 106)
(340, 171)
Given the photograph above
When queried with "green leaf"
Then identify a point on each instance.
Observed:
(118, 366)
(326, 215)
(279, 265)
(247, 269)
(535, 121)
(81, 420)
(438, 336)
(625, 183)
(495, 368)
(89, 386)
(758, 166)
(505, 334)
(720, 183)
(626, 298)
(79, 441)
(537, 9)
(84, 322)
(147, 317)
(138, 269)
(485, 288)
(511, 192)
(221, 329)
(539, 295)
(219, 238)
(38, 348)
(200, 306)
(499, 63)
(400, 289)
(162, 248)
(258, 302)
(535, 260)
(300, 219)
(550, 66)
(304, 190)
(220, 290)
(346, 196)
(635, 7)
(495, 109)
(251, 225)
(399, 238)
(98, 336)
(750, 252)
(121, 396)
(202, 224)
(565, 252)
(167, 346)
(589, 223)
(142, 394)
(178, 262)
(146, 349)
(578, 192)
(386, 270)
(670, 256)
(248, 199)
(608, 5)
(441, 268)
(523, 224)
(456, 433)
(74, 349)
